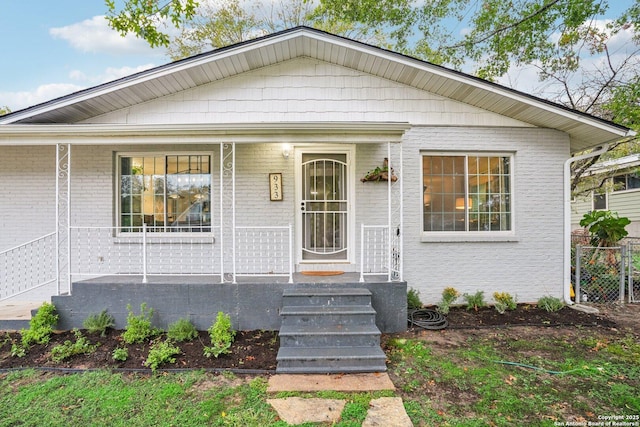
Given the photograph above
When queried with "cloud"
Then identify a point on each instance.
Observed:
(19, 100)
(95, 36)
(109, 74)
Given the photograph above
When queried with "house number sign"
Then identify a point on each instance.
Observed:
(275, 186)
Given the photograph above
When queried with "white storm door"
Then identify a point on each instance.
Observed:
(324, 205)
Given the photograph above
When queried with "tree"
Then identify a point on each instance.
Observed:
(4, 110)
(146, 18)
(492, 36)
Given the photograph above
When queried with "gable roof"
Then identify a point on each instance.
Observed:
(585, 131)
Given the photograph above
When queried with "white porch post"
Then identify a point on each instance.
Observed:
(227, 205)
(395, 214)
(63, 220)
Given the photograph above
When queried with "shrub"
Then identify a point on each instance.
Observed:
(99, 323)
(161, 352)
(475, 301)
(182, 330)
(413, 299)
(449, 296)
(550, 304)
(221, 335)
(81, 346)
(40, 326)
(120, 354)
(504, 301)
(139, 327)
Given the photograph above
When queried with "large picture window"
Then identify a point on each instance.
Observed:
(168, 193)
(466, 193)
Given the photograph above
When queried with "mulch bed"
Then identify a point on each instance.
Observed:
(524, 315)
(257, 350)
(252, 350)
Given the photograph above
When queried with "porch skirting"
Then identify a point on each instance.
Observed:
(253, 304)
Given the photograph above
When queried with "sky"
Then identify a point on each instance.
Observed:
(50, 48)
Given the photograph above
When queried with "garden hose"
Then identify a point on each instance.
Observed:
(428, 319)
(536, 368)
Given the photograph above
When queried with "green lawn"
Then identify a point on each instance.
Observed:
(489, 379)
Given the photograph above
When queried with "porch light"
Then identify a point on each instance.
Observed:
(460, 203)
(286, 150)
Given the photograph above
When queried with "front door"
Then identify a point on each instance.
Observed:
(324, 205)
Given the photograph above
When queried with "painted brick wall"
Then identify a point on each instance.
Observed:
(27, 191)
(528, 268)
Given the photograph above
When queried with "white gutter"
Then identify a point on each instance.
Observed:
(567, 218)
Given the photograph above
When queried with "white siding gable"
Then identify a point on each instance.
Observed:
(306, 90)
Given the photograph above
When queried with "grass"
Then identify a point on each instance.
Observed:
(489, 379)
(526, 381)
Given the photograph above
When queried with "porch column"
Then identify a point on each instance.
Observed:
(63, 211)
(395, 211)
(227, 210)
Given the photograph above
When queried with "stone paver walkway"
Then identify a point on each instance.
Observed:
(385, 411)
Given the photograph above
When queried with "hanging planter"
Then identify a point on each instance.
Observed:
(380, 173)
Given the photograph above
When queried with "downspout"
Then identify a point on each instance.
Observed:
(567, 218)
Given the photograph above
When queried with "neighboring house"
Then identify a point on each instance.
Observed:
(239, 167)
(621, 192)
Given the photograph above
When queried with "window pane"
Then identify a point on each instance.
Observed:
(599, 202)
(168, 193)
(477, 199)
(633, 180)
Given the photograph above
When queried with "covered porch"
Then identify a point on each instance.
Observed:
(243, 240)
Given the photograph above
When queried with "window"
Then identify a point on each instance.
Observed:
(599, 201)
(466, 193)
(167, 193)
(629, 181)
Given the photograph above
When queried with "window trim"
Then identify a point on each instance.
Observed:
(206, 235)
(470, 236)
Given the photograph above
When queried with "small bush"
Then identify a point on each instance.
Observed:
(222, 336)
(504, 301)
(120, 354)
(18, 350)
(40, 326)
(99, 323)
(475, 301)
(182, 330)
(161, 352)
(68, 349)
(413, 299)
(550, 304)
(449, 296)
(139, 327)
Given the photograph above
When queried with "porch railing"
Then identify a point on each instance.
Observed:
(374, 250)
(101, 251)
(98, 251)
(264, 251)
(28, 266)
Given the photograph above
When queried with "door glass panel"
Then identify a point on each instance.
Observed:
(324, 207)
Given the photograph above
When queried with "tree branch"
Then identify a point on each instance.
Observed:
(487, 36)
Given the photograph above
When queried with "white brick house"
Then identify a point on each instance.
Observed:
(188, 149)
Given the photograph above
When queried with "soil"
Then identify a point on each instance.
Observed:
(257, 350)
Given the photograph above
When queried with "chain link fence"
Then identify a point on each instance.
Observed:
(606, 275)
(633, 251)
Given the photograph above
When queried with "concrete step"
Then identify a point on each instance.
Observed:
(330, 359)
(328, 315)
(326, 296)
(336, 336)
